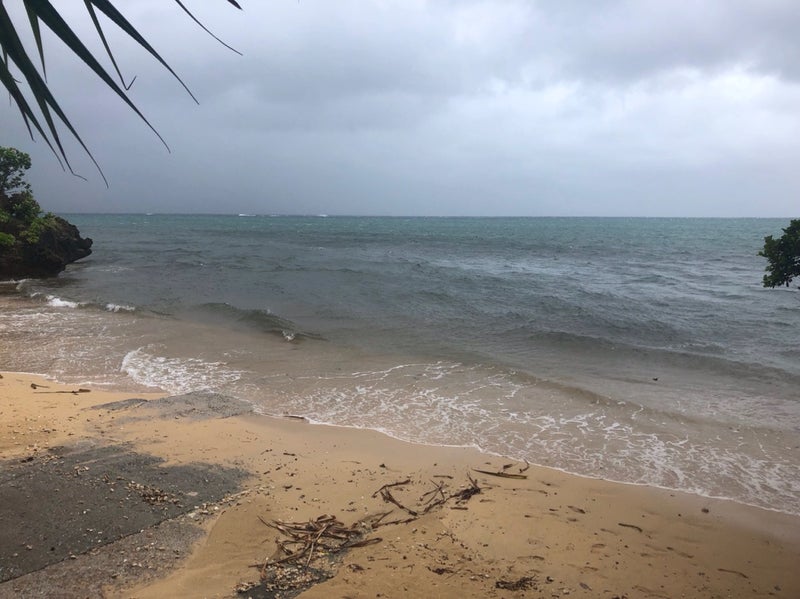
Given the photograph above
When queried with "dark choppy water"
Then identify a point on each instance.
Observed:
(640, 350)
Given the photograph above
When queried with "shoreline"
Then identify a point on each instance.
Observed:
(551, 534)
(149, 390)
(257, 412)
(561, 471)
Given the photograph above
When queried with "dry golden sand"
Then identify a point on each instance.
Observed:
(555, 535)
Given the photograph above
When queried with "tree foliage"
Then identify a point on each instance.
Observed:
(38, 106)
(13, 165)
(783, 255)
(21, 217)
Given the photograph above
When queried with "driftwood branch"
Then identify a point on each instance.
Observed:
(390, 485)
(387, 496)
(430, 500)
(306, 541)
(501, 474)
(304, 550)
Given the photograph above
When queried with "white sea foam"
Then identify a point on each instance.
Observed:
(119, 308)
(57, 302)
(17, 283)
(177, 375)
(453, 404)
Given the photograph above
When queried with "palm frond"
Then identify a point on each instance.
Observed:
(15, 52)
(99, 28)
(28, 116)
(49, 112)
(37, 34)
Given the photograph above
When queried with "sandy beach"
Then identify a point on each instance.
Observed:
(129, 495)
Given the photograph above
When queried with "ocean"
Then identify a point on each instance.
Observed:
(636, 350)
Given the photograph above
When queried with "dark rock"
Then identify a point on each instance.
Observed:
(197, 405)
(57, 246)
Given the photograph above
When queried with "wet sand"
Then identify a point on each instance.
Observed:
(120, 495)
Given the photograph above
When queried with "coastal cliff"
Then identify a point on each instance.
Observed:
(44, 253)
(33, 244)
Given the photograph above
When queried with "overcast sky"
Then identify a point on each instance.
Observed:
(500, 107)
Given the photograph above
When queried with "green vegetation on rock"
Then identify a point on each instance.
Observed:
(21, 217)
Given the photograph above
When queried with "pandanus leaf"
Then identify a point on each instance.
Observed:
(42, 11)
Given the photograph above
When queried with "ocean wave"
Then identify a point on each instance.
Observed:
(113, 268)
(17, 283)
(55, 301)
(709, 356)
(573, 341)
(262, 321)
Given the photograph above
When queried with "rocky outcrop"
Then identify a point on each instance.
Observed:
(58, 244)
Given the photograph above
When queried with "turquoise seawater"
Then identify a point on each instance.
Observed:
(639, 350)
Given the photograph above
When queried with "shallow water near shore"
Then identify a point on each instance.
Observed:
(637, 350)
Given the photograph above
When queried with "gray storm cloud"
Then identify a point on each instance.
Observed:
(413, 107)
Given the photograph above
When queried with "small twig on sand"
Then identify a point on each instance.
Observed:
(466, 493)
(742, 574)
(397, 484)
(432, 499)
(387, 496)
